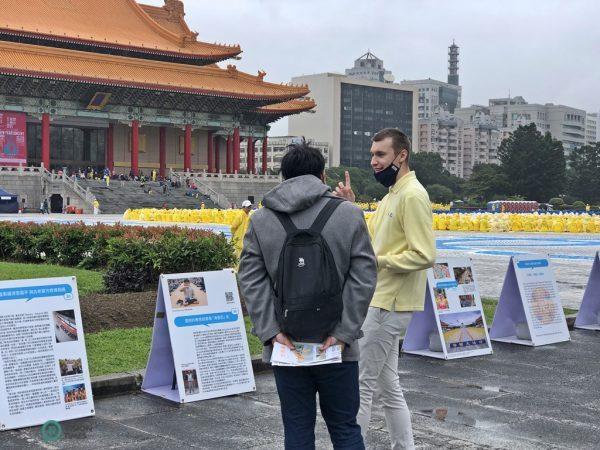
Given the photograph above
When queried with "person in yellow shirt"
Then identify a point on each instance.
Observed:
(401, 232)
(239, 226)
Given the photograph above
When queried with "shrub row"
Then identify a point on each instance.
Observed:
(132, 258)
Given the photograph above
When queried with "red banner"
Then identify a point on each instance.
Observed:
(13, 142)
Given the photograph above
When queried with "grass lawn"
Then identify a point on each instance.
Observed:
(88, 281)
(124, 350)
(489, 309)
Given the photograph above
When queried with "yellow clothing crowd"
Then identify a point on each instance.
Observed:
(481, 222)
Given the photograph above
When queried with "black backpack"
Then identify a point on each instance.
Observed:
(308, 289)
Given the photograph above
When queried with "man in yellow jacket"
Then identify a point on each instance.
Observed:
(239, 226)
(402, 236)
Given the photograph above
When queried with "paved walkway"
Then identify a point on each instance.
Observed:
(518, 398)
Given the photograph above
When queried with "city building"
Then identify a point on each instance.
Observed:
(370, 67)
(350, 111)
(463, 139)
(564, 123)
(434, 94)
(130, 88)
(276, 148)
(592, 129)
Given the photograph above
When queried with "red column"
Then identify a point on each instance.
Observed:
(210, 151)
(187, 149)
(264, 155)
(162, 152)
(236, 150)
(249, 154)
(228, 155)
(110, 147)
(135, 146)
(217, 155)
(46, 140)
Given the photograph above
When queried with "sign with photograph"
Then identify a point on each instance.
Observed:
(13, 143)
(529, 311)
(199, 345)
(452, 325)
(44, 371)
(588, 316)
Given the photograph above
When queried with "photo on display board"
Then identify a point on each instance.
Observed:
(466, 301)
(441, 300)
(190, 381)
(544, 310)
(441, 271)
(463, 331)
(463, 275)
(74, 393)
(70, 367)
(187, 292)
(65, 326)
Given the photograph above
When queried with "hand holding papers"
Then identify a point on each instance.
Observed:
(305, 355)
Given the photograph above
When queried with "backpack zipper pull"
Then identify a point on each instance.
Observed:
(285, 313)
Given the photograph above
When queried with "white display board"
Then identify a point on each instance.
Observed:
(453, 311)
(529, 297)
(588, 316)
(44, 371)
(199, 345)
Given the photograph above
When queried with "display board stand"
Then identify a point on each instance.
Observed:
(44, 372)
(529, 297)
(453, 314)
(589, 311)
(199, 345)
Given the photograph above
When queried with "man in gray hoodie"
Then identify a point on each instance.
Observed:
(302, 195)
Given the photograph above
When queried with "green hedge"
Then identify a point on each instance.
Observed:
(131, 257)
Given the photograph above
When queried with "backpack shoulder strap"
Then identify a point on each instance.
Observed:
(286, 222)
(325, 214)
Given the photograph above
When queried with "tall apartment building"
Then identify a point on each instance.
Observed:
(564, 123)
(350, 111)
(592, 129)
(276, 147)
(463, 139)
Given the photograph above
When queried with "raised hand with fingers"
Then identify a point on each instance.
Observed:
(345, 190)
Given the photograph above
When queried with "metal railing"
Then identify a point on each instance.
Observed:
(216, 197)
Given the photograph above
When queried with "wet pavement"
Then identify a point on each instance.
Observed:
(518, 398)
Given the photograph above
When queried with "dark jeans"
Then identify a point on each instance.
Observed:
(337, 385)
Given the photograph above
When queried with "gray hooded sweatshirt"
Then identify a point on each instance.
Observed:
(348, 238)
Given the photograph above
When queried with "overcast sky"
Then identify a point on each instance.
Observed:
(547, 51)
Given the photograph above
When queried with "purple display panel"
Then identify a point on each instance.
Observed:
(158, 379)
(587, 317)
(422, 324)
(509, 311)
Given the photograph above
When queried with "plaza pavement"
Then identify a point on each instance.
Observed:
(518, 398)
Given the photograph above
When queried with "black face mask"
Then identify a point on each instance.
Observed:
(387, 177)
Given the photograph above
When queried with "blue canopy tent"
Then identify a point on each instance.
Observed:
(9, 203)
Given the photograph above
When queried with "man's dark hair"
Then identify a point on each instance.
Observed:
(302, 159)
(400, 141)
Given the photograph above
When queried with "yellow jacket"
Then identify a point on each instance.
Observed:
(239, 226)
(402, 236)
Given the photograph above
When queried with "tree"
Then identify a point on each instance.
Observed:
(486, 182)
(440, 194)
(584, 173)
(534, 164)
(429, 168)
